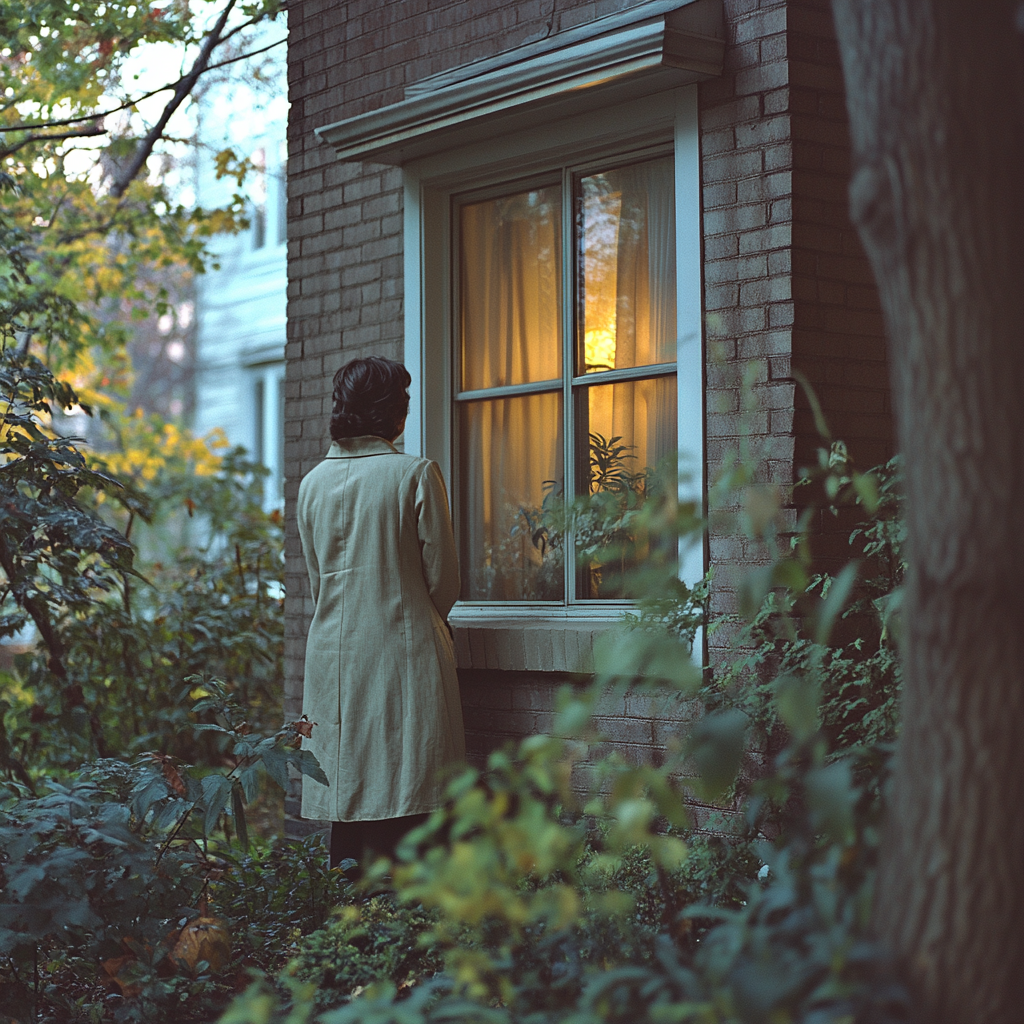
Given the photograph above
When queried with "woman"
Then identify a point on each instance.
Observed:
(380, 682)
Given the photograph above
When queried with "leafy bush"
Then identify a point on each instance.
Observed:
(516, 901)
(110, 867)
(113, 864)
(118, 634)
(377, 941)
(549, 910)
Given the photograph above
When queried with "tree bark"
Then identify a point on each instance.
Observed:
(935, 92)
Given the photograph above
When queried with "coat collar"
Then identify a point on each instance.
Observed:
(360, 447)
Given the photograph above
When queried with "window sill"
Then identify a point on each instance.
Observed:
(544, 643)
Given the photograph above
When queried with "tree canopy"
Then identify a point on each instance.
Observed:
(92, 207)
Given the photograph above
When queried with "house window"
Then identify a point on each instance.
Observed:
(565, 359)
(552, 304)
(258, 196)
(268, 428)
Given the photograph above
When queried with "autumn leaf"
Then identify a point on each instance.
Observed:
(170, 772)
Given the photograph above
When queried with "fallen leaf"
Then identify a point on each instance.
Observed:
(205, 938)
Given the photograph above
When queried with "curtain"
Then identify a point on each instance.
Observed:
(510, 448)
(510, 280)
(626, 260)
(628, 302)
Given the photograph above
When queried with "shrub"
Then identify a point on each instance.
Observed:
(113, 865)
(549, 911)
(377, 941)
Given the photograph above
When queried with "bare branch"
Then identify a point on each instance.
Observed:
(245, 56)
(184, 87)
(93, 129)
(128, 104)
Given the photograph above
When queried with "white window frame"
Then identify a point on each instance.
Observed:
(430, 183)
(266, 381)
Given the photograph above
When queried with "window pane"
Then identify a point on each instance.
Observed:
(510, 284)
(629, 434)
(626, 267)
(510, 462)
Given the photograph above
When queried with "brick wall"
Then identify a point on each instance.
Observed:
(786, 285)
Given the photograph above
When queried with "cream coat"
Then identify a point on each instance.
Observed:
(380, 680)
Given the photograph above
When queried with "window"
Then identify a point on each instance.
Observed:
(258, 198)
(565, 323)
(268, 428)
(552, 306)
(553, 325)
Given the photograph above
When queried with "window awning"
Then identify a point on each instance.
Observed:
(647, 49)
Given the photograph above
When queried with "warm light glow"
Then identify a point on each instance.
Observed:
(602, 208)
(599, 347)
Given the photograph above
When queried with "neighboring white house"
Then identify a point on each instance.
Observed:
(240, 307)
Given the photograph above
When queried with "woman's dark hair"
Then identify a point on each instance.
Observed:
(370, 397)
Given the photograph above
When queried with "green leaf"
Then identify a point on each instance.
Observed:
(308, 765)
(831, 796)
(238, 811)
(716, 743)
(217, 791)
(796, 700)
(249, 780)
(275, 760)
(790, 573)
(754, 589)
(866, 486)
(834, 601)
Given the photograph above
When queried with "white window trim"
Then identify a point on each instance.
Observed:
(429, 185)
(271, 376)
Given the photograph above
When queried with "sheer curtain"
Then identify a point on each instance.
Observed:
(510, 446)
(510, 282)
(509, 318)
(627, 257)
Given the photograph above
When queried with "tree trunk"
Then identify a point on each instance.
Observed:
(935, 91)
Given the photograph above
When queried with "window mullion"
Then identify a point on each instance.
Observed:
(509, 390)
(569, 299)
(627, 373)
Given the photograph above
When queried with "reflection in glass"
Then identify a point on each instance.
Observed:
(626, 267)
(631, 456)
(510, 280)
(510, 460)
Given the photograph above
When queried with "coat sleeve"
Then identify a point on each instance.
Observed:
(437, 541)
(306, 537)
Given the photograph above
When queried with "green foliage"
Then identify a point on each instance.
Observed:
(54, 552)
(275, 893)
(213, 606)
(376, 941)
(614, 530)
(116, 645)
(559, 895)
(113, 861)
(88, 220)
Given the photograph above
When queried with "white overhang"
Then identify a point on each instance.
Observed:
(647, 49)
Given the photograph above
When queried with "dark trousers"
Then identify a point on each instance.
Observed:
(361, 840)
